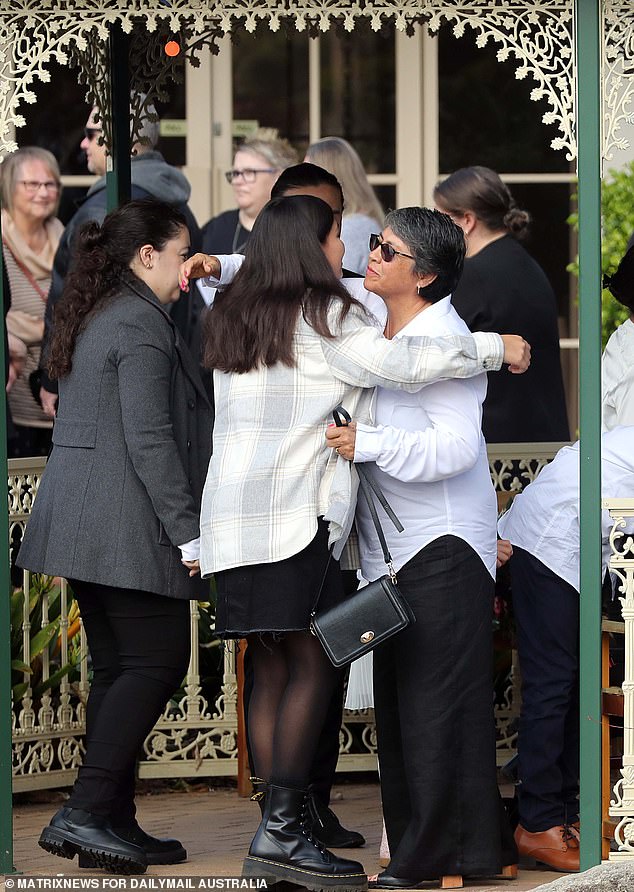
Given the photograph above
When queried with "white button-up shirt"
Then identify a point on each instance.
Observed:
(544, 518)
(271, 474)
(430, 460)
(617, 373)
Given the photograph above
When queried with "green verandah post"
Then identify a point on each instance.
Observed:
(6, 749)
(588, 33)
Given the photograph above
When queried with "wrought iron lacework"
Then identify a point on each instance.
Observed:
(536, 34)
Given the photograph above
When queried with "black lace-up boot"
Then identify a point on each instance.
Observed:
(284, 848)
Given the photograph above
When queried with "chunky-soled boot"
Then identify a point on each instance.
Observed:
(326, 828)
(284, 849)
(157, 850)
(73, 831)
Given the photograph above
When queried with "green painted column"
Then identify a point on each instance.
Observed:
(6, 749)
(118, 162)
(588, 25)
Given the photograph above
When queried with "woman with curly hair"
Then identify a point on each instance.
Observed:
(117, 511)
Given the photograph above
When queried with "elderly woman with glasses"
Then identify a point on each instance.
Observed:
(30, 186)
(433, 685)
(256, 166)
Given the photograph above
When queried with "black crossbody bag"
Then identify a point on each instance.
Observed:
(374, 613)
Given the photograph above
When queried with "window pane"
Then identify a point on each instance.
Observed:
(358, 93)
(486, 115)
(270, 82)
(387, 197)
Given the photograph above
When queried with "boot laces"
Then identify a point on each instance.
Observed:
(305, 815)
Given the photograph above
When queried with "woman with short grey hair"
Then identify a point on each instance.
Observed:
(433, 684)
(257, 163)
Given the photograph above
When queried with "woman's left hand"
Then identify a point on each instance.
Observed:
(192, 566)
(342, 439)
(505, 552)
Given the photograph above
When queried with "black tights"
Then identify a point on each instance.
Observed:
(292, 688)
(139, 646)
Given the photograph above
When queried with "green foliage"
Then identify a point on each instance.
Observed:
(617, 210)
(43, 638)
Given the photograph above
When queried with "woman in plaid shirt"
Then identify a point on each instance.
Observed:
(287, 344)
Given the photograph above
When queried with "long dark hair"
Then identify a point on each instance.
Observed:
(285, 273)
(482, 191)
(621, 283)
(101, 255)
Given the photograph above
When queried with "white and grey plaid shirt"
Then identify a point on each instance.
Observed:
(271, 474)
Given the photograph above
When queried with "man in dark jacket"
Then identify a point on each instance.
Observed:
(152, 177)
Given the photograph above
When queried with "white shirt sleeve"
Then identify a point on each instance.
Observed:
(617, 370)
(229, 266)
(190, 551)
(450, 445)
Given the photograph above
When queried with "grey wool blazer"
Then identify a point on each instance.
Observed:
(131, 446)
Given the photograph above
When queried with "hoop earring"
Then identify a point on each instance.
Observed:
(419, 289)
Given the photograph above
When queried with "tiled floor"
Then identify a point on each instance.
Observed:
(216, 825)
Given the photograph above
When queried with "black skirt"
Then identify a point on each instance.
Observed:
(280, 596)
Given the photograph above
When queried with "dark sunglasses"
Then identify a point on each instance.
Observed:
(92, 132)
(388, 253)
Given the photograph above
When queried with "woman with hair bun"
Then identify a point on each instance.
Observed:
(117, 512)
(618, 357)
(504, 289)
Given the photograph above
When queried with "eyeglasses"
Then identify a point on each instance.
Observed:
(32, 187)
(92, 132)
(388, 253)
(248, 174)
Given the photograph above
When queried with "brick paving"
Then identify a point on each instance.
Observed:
(216, 825)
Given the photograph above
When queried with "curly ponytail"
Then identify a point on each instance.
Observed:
(102, 254)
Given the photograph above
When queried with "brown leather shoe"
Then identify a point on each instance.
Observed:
(557, 848)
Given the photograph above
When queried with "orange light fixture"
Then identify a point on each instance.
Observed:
(172, 48)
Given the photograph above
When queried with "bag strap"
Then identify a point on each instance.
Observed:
(28, 275)
(369, 486)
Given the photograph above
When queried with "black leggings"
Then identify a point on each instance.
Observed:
(139, 646)
(293, 686)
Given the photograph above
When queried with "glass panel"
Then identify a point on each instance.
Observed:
(486, 115)
(270, 82)
(358, 92)
(55, 121)
(173, 148)
(387, 197)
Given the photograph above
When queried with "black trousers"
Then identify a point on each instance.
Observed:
(433, 690)
(139, 646)
(546, 611)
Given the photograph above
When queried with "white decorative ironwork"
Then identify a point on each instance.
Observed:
(537, 34)
(618, 75)
(191, 739)
(622, 566)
